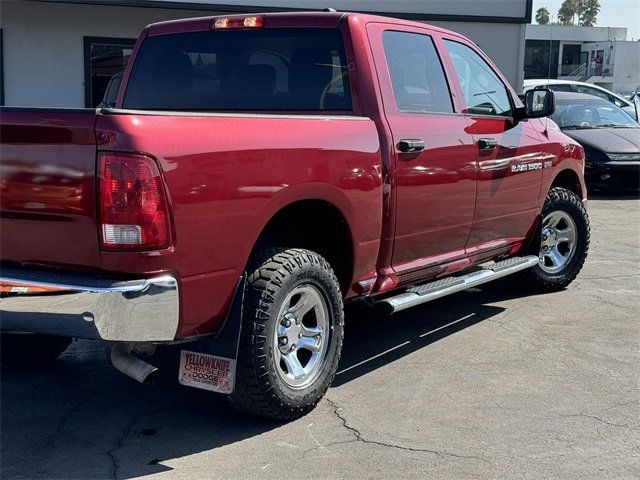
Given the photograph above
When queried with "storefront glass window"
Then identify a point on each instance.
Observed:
(541, 59)
(105, 60)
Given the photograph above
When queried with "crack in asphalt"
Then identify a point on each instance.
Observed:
(126, 432)
(623, 404)
(607, 277)
(119, 443)
(70, 413)
(358, 437)
(594, 417)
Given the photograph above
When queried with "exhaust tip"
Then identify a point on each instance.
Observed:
(152, 377)
(132, 366)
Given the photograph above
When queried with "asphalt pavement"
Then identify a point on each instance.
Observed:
(487, 383)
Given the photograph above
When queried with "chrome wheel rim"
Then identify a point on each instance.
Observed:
(301, 337)
(558, 242)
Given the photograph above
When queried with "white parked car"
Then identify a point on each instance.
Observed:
(583, 87)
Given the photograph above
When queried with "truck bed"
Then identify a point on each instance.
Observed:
(226, 175)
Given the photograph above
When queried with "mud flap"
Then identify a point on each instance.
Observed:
(210, 362)
(532, 244)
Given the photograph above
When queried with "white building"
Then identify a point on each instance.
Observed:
(58, 53)
(599, 55)
(620, 69)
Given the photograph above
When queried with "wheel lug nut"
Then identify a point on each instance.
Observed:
(286, 323)
(283, 341)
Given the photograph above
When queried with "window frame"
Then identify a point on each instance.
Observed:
(88, 42)
(495, 72)
(443, 69)
(1, 66)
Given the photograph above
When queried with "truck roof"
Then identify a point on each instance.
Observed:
(319, 19)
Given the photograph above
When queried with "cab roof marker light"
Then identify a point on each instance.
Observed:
(238, 22)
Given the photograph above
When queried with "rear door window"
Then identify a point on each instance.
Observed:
(558, 87)
(595, 92)
(417, 76)
(257, 70)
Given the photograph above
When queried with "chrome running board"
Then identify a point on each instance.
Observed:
(426, 292)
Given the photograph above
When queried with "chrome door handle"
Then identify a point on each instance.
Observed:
(487, 143)
(411, 145)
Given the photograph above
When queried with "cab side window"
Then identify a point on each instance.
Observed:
(417, 76)
(558, 87)
(593, 91)
(484, 93)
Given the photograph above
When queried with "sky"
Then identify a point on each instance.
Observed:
(613, 13)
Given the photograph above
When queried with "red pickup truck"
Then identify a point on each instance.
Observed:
(260, 171)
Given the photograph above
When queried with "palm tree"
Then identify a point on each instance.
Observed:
(589, 14)
(565, 15)
(542, 16)
(569, 10)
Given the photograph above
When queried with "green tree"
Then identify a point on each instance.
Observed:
(569, 10)
(542, 16)
(589, 13)
(584, 11)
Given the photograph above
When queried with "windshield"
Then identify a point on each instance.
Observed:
(257, 70)
(579, 113)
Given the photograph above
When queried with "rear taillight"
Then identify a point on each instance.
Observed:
(134, 214)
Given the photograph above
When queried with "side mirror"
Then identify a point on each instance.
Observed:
(539, 103)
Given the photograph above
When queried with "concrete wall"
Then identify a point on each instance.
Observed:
(626, 72)
(44, 57)
(575, 34)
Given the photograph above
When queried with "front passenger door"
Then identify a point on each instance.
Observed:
(510, 156)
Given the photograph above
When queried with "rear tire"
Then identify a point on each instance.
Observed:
(563, 243)
(292, 334)
(27, 350)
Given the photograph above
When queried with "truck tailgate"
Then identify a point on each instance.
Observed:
(47, 187)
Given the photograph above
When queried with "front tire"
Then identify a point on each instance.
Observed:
(563, 243)
(292, 334)
(26, 350)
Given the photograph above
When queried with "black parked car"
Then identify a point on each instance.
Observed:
(610, 137)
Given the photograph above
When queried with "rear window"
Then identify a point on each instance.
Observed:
(245, 70)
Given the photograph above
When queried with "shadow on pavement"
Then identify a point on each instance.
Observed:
(613, 195)
(79, 418)
(372, 340)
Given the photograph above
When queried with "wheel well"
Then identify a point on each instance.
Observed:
(315, 225)
(568, 179)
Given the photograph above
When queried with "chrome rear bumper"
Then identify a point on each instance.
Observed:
(145, 310)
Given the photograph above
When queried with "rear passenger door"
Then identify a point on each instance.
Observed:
(510, 154)
(433, 158)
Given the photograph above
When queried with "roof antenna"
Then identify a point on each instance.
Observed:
(329, 9)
